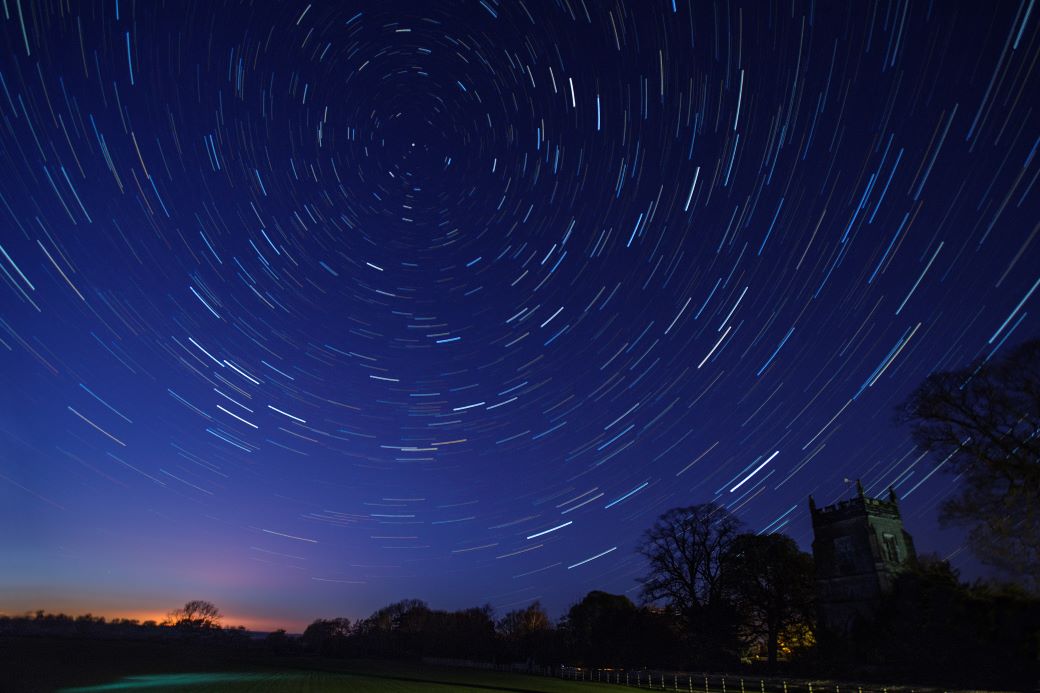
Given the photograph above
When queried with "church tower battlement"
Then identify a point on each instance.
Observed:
(859, 547)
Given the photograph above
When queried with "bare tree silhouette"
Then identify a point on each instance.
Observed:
(198, 614)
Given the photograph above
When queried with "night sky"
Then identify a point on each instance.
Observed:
(308, 308)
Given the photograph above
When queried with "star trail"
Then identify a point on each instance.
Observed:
(308, 308)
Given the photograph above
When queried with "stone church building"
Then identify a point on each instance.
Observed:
(859, 546)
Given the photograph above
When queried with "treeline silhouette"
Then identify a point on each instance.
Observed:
(601, 630)
(43, 624)
(931, 629)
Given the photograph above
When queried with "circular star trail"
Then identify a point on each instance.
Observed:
(312, 307)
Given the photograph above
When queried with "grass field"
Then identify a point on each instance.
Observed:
(431, 680)
(355, 677)
(44, 665)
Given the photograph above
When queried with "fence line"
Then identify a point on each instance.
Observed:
(688, 682)
(685, 682)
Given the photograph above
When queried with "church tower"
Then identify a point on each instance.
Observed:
(859, 546)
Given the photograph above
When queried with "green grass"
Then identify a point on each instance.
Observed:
(375, 678)
(45, 665)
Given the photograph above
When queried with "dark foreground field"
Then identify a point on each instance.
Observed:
(328, 682)
(300, 681)
(39, 665)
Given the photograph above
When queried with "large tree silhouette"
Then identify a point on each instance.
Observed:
(983, 424)
(685, 550)
(770, 581)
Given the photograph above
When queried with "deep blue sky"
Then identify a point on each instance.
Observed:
(312, 307)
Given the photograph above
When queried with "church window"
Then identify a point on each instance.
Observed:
(844, 555)
(891, 547)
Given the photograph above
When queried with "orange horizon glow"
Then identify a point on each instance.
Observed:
(227, 620)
